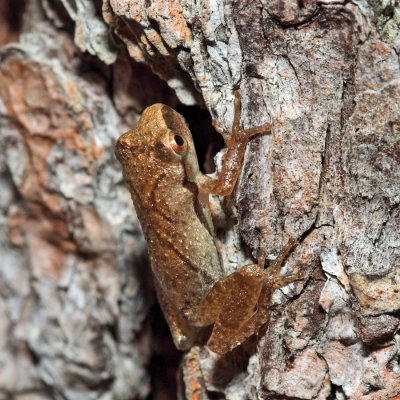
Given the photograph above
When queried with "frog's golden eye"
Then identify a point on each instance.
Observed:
(172, 147)
(178, 143)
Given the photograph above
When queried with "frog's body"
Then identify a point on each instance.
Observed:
(175, 219)
(170, 195)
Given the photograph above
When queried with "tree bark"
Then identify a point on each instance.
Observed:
(75, 291)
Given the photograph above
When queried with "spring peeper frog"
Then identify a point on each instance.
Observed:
(170, 196)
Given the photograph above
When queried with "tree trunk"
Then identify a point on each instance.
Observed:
(75, 292)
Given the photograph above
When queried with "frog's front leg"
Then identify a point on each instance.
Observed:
(232, 161)
(243, 300)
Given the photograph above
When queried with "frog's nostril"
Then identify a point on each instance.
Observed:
(124, 143)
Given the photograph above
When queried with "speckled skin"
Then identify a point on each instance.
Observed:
(170, 195)
(175, 218)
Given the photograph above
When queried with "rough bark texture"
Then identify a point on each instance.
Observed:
(74, 297)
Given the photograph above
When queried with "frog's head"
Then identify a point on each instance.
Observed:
(160, 144)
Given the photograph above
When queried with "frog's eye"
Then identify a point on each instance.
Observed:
(172, 147)
(178, 143)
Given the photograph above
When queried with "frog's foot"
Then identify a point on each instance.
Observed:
(278, 280)
(273, 274)
(240, 135)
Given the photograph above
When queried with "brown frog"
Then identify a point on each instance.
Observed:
(170, 196)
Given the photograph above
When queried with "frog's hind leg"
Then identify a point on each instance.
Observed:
(230, 304)
(233, 337)
(182, 332)
(226, 336)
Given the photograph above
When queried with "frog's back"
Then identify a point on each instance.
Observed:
(183, 254)
(175, 219)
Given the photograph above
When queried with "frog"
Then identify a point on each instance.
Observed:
(171, 197)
